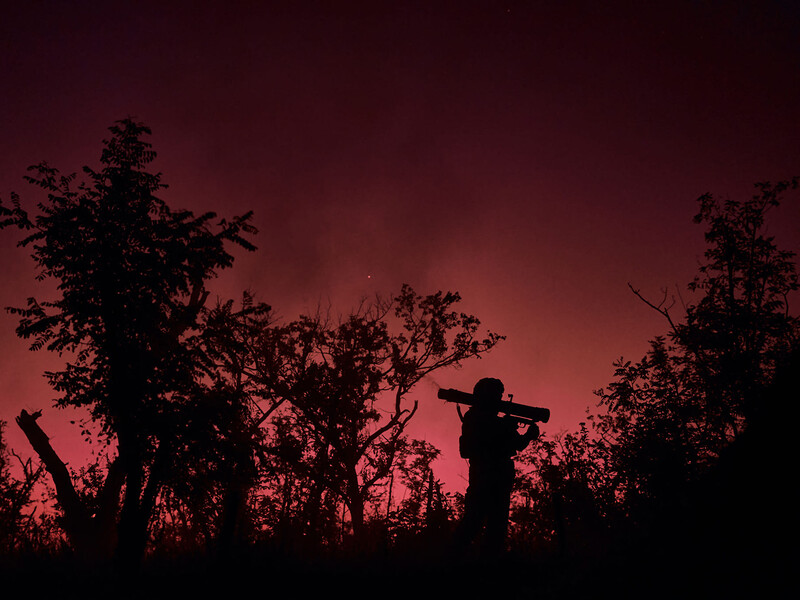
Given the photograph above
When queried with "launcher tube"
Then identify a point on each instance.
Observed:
(532, 413)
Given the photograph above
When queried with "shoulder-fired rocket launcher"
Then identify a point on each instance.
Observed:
(522, 412)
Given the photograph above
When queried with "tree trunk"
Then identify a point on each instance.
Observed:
(234, 508)
(355, 503)
(141, 492)
(130, 547)
(91, 537)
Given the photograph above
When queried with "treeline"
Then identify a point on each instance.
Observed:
(689, 450)
(225, 427)
(222, 425)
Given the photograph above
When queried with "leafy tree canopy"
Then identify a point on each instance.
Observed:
(130, 273)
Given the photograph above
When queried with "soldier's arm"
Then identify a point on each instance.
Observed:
(526, 438)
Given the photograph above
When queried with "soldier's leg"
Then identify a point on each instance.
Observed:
(497, 520)
(474, 515)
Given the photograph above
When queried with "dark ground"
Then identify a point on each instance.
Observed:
(652, 572)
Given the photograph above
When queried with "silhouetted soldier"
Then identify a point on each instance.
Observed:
(490, 442)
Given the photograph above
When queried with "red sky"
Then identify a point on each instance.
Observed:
(534, 156)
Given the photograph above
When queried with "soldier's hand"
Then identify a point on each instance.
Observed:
(533, 431)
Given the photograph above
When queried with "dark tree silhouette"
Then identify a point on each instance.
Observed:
(228, 341)
(347, 384)
(666, 421)
(90, 525)
(671, 414)
(424, 512)
(672, 428)
(16, 498)
(564, 500)
(131, 276)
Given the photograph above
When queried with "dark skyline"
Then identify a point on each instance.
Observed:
(535, 158)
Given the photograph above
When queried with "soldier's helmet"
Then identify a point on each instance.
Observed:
(488, 391)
